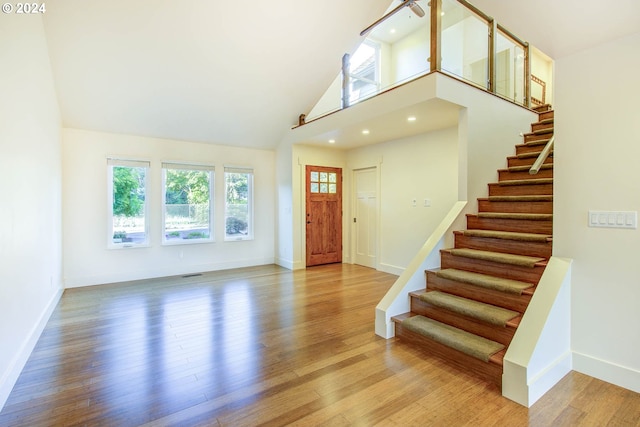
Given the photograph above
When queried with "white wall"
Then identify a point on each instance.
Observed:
(30, 213)
(284, 224)
(87, 261)
(409, 54)
(596, 158)
(419, 167)
(423, 166)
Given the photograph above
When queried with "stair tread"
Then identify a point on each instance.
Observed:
(533, 181)
(530, 155)
(539, 131)
(540, 143)
(478, 310)
(537, 143)
(508, 215)
(526, 168)
(485, 281)
(507, 235)
(543, 108)
(468, 343)
(510, 259)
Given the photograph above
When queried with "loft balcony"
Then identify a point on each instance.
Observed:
(416, 38)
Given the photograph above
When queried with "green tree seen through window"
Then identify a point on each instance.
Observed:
(187, 187)
(128, 191)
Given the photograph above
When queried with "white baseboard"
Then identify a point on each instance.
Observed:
(391, 269)
(286, 263)
(606, 371)
(549, 377)
(81, 281)
(10, 376)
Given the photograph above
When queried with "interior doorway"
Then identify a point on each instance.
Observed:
(323, 215)
(365, 217)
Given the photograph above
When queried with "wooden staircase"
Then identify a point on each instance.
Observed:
(507, 242)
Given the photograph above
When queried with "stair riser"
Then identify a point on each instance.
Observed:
(536, 249)
(487, 205)
(506, 271)
(488, 371)
(500, 334)
(489, 296)
(517, 225)
(515, 161)
(542, 108)
(515, 207)
(540, 143)
(541, 126)
(546, 115)
(505, 175)
(536, 136)
(520, 190)
(528, 148)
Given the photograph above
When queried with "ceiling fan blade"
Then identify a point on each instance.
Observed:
(416, 9)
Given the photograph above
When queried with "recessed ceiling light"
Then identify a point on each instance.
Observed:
(392, 31)
(411, 118)
(332, 141)
(365, 131)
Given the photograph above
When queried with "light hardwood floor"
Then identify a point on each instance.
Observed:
(265, 346)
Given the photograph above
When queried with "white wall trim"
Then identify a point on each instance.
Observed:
(391, 269)
(396, 300)
(539, 354)
(606, 371)
(286, 263)
(10, 376)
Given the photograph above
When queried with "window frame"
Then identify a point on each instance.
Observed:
(377, 47)
(250, 203)
(165, 165)
(131, 163)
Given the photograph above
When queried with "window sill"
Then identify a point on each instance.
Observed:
(238, 238)
(179, 242)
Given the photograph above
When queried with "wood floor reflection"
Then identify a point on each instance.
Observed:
(264, 346)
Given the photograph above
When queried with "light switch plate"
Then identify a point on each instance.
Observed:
(613, 219)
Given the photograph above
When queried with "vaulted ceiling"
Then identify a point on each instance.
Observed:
(224, 72)
(240, 73)
(563, 27)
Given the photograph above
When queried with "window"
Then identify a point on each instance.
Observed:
(188, 197)
(238, 212)
(323, 182)
(364, 77)
(128, 219)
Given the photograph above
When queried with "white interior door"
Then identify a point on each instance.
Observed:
(366, 217)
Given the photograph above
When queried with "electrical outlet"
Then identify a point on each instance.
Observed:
(414, 202)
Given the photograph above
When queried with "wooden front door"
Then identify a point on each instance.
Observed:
(324, 215)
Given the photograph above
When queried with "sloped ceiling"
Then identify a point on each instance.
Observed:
(233, 73)
(563, 27)
(240, 73)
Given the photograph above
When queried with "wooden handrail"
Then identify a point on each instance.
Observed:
(542, 157)
(512, 36)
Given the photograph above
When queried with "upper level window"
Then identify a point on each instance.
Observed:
(238, 212)
(188, 198)
(128, 216)
(364, 74)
